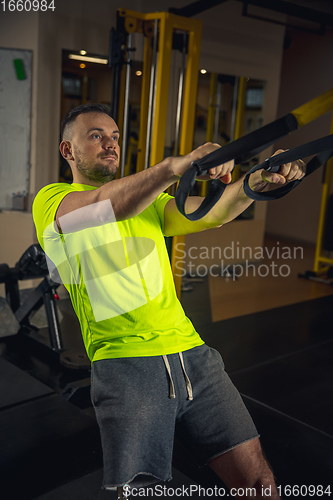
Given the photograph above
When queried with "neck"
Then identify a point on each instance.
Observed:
(81, 179)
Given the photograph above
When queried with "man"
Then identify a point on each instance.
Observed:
(152, 375)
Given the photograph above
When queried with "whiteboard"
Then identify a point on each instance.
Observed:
(15, 118)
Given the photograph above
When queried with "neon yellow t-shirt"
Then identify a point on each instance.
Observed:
(118, 276)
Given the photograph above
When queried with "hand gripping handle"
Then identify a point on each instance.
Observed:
(324, 148)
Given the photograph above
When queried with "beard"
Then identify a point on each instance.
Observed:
(98, 171)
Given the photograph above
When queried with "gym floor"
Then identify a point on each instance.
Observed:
(275, 335)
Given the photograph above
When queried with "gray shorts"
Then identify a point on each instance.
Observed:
(142, 402)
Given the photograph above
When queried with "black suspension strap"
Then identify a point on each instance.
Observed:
(324, 148)
(241, 150)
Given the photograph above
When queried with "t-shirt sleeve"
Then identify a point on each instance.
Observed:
(45, 206)
(159, 205)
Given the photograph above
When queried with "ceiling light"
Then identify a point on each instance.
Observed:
(203, 71)
(138, 73)
(97, 60)
(83, 52)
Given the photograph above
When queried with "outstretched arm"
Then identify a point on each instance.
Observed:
(130, 195)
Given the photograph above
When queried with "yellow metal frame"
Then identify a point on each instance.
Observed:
(239, 124)
(167, 23)
(147, 62)
(305, 114)
(322, 263)
(210, 122)
(135, 21)
(313, 109)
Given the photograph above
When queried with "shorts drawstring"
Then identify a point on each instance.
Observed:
(187, 380)
(172, 393)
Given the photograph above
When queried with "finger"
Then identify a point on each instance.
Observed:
(212, 172)
(286, 169)
(226, 179)
(279, 151)
(222, 170)
(272, 177)
(293, 170)
(301, 171)
(203, 150)
(297, 171)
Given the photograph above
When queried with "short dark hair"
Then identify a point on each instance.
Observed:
(71, 116)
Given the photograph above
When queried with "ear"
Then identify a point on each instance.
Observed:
(66, 150)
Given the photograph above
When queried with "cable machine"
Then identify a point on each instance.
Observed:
(162, 32)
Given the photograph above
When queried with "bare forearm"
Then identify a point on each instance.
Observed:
(232, 203)
(234, 200)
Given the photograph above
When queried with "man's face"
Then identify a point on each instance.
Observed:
(95, 144)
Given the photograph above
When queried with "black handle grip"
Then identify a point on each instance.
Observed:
(241, 150)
